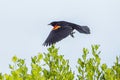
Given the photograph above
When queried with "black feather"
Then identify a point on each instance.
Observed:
(83, 29)
(57, 35)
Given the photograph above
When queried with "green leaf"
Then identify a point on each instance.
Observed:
(14, 59)
(104, 67)
(11, 67)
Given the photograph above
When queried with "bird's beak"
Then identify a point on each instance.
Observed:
(49, 24)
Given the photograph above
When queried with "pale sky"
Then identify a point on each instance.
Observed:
(23, 28)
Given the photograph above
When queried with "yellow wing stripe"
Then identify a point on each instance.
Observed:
(56, 27)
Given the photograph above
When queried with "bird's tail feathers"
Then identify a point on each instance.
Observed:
(83, 29)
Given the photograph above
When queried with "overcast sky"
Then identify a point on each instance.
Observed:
(23, 28)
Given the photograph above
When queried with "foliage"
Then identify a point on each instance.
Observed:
(91, 69)
(52, 66)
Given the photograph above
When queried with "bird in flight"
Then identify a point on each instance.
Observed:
(62, 29)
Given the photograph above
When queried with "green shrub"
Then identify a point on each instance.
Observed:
(52, 66)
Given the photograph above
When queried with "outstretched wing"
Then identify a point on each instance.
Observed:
(57, 35)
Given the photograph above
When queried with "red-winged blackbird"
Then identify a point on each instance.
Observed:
(62, 29)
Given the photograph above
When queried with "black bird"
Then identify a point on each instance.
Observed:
(62, 29)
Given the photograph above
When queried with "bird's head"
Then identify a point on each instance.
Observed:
(55, 24)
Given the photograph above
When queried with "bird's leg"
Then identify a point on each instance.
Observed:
(71, 34)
